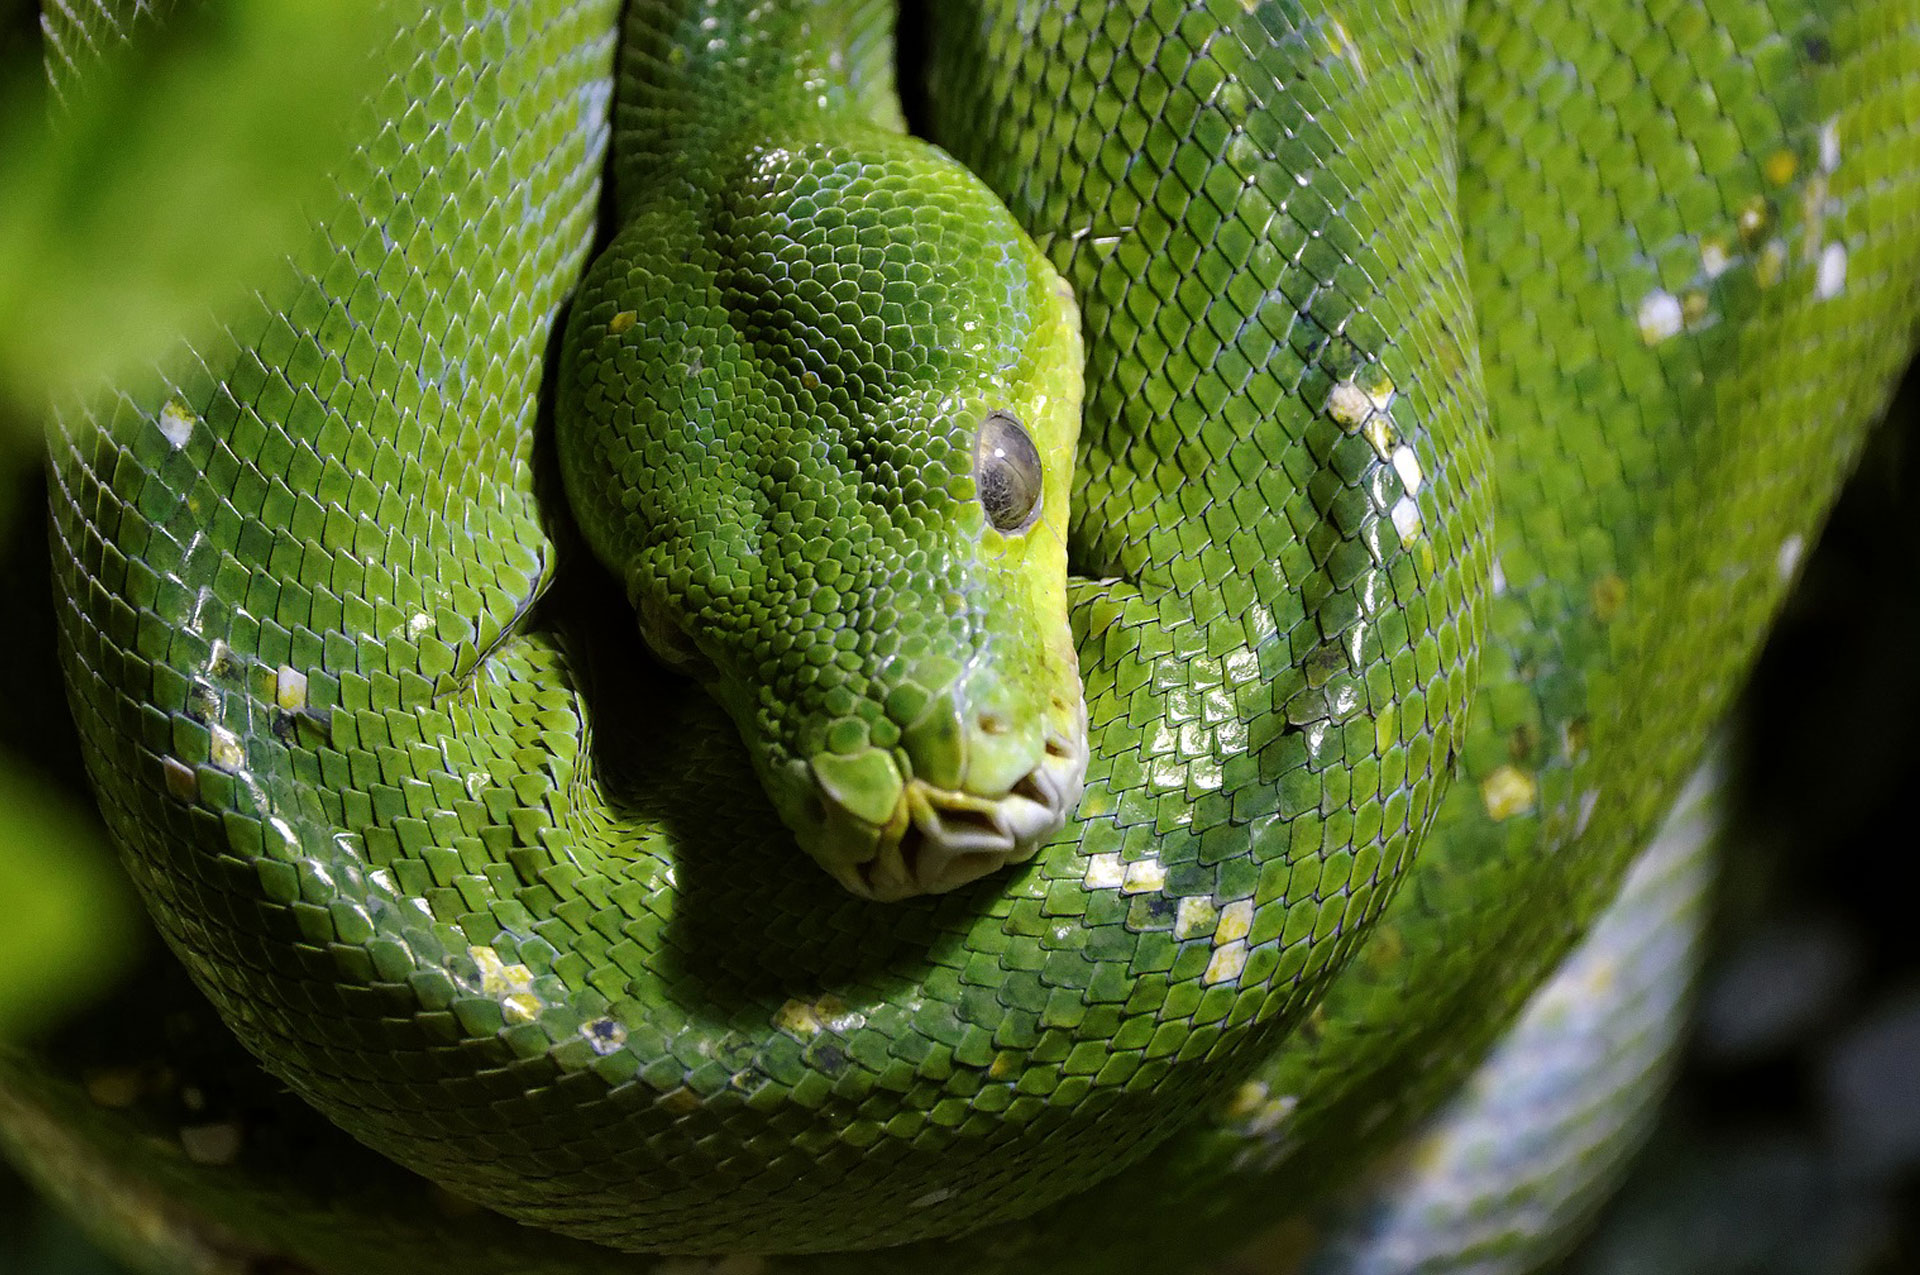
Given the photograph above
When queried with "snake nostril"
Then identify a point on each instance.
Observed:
(1057, 747)
(992, 724)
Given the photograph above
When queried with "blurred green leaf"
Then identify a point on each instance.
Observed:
(167, 180)
(65, 913)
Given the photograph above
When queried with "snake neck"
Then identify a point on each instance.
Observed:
(700, 76)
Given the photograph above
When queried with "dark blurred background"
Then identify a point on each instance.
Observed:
(1792, 1143)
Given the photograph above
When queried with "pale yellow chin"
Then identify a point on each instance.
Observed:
(930, 839)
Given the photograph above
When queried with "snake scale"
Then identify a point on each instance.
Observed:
(1462, 385)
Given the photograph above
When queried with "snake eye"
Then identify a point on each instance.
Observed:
(1006, 472)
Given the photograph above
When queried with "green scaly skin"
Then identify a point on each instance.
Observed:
(1674, 241)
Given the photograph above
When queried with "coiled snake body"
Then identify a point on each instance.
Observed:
(1461, 388)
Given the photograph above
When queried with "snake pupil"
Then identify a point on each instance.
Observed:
(1007, 474)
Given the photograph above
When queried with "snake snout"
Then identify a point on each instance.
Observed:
(945, 829)
(954, 837)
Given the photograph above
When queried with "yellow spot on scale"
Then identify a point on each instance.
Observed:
(497, 978)
(1753, 220)
(1780, 167)
(1356, 405)
(796, 1018)
(1104, 872)
(224, 749)
(521, 1007)
(1228, 960)
(809, 1018)
(1506, 792)
(622, 321)
(1236, 919)
(1609, 593)
(1348, 404)
(1145, 875)
(290, 689)
(1693, 307)
(1196, 916)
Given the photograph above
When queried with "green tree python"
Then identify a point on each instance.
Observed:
(1065, 828)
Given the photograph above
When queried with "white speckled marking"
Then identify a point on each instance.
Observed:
(290, 689)
(176, 423)
(1833, 271)
(1407, 465)
(1349, 404)
(1660, 316)
(604, 1035)
(1104, 872)
(1714, 259)
(1406, 518)
(1787, 560)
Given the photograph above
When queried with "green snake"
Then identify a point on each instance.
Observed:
(1461, 386)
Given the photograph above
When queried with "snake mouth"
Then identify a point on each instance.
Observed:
(942, 838)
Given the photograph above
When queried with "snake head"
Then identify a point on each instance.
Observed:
(819, 413)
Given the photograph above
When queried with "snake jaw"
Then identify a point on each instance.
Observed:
(934, 838)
